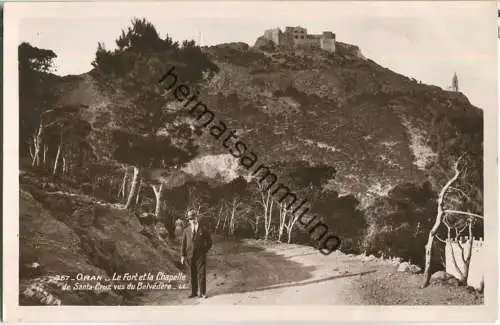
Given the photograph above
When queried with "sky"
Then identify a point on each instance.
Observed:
(428, 41)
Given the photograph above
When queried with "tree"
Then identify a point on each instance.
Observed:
(157, 189)
(283, 217)
(33, 59)
(289, 221)
(267, 202)
(146, 152)
(36, 95)
(442, 210)
(228, 204)
(396, 224)
(122, 190)
(459, 132)
(68, 132)
(456, 131)
(147, 135)
(310, 181)
(238, 189)
(458, 225)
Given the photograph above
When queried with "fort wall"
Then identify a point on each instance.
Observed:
(297, 37)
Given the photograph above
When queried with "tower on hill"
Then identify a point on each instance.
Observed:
(454, 82)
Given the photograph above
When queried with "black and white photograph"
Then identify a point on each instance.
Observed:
(251, 154)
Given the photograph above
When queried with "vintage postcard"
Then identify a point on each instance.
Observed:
(250, 161)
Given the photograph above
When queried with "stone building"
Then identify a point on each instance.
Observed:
(297, 37)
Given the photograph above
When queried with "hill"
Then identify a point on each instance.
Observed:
(369, 147)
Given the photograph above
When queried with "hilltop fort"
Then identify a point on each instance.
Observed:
(297, 37)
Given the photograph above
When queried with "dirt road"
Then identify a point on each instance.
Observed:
(266, 273)
(290, 274)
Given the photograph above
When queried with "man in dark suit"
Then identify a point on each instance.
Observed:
(196, 241)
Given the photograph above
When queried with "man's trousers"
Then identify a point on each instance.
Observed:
(198, 272)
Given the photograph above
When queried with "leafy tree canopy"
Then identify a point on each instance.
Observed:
(34, 59)
(133, 70)
(36, 94)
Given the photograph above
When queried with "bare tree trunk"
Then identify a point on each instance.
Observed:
(31, 152)
(45, 149)
(437, 222)
(283, 214)
(269, 215)
(231, 219)
(138, 196)
(132, 188)
(289, 233)
(467, 256)
(224, 224)
(428, 246)
(270, 210)
(64, 165)
(289, 226)
(121, 191)
(57, 157)
(218, 219)
(157, 189)
(453, 258)
(267, 205)
(37, 142)
(257, 219)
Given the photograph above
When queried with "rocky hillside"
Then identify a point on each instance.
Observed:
(367, 121)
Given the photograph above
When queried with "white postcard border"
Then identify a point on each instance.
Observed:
(13, 13)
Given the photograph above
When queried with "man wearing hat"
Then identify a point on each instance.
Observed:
(196, 241)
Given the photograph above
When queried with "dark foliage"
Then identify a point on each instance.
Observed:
(154, 138)
(36, 93)
(305, 175)
(147, 151)
(343, 219)
(141, 47)
(398, 225)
